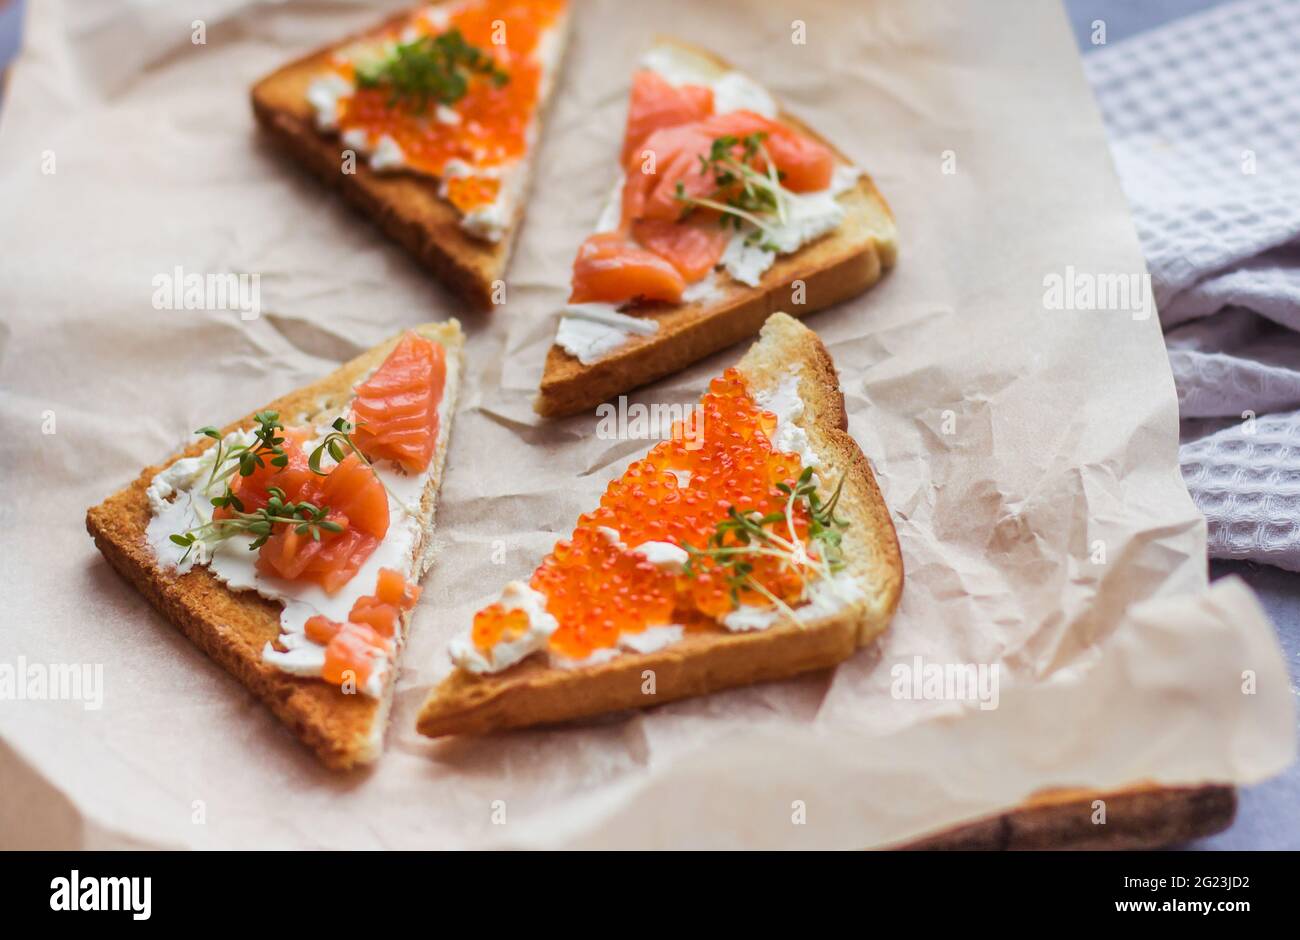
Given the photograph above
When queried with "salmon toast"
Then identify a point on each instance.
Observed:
(753, 545)
(289, 545)
(429, 124)
(725, 209)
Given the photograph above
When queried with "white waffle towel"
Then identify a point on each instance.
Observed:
(1204, 122)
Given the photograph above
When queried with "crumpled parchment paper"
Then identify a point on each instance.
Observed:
(1029, 454)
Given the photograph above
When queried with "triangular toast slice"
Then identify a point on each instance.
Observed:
(823, 271)
(342, 724)
(788, 370)
(299, 106)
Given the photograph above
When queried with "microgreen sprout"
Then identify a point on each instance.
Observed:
(431, 69)
(338, 443)
(741, 192)
(746, 535)
(267, 446)
(306, 519)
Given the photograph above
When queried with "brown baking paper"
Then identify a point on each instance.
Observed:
(1028, 454)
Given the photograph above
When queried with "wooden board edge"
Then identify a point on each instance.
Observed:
(1144, 816)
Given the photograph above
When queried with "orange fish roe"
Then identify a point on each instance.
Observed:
(598, 589)
(468, 192)
(493, 119)
(494, 623)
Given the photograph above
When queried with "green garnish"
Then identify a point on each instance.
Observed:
(267, 446)
(337, 444)
(741, 193)
(745, 535)
(305, 517)
(430, 69)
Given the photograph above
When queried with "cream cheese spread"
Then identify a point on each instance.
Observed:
(515, 596)
(590, 332)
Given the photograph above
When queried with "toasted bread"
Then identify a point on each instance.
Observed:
(534, 692)
(406, 206)
(837, 266)
(233, 626)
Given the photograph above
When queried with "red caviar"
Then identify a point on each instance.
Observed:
(493, 119)
(598, 589)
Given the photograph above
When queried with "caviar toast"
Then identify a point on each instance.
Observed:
(429, 124)
(755, 549)
(725, 209)
(289, 544)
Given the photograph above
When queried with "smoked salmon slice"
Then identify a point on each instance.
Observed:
(693, 248)
(654, 104)
(804, 164)
(351, 654)
(353, 490)
(329, 561)
(612, 269)
(358, 502)
(293, 479)
(396, 409)
(671, 134)
(370, 628)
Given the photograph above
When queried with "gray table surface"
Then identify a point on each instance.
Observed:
(1269, 814)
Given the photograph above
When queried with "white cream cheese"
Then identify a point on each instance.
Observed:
(706, 290)
(488, 222)
(825, 597)
(808, 216)
(611, 536)
(746, 261)
(590, 332)
(180, 504)
(663, 555)
(515, 596)
(386, 154)
(649, 640)
(783, 401)
(324, 95)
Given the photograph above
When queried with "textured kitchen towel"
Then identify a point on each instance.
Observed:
(1204, 124)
